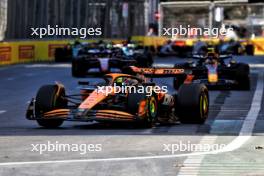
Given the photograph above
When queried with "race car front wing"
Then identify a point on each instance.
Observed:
(73, 114)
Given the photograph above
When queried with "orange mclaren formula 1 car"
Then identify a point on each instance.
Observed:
(190, 103)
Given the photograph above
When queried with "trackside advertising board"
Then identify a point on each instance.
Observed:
(34, 51)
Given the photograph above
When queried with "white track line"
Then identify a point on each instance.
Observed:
(244, 136)
(249, 123)
(208, 140)
(256, 65)
(10, 79)
(2, 111)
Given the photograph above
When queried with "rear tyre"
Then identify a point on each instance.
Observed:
(250, 50)
(59, 54)
(192, 103)
(177, 82)
(49, 97)
(242, 76)
(244, 84)
(144, 60)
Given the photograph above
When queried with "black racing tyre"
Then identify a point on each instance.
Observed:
(78, 69)
(236, 50)
(144, 60)
(159, 48)
(244, 84)
(49, 97)
(242, 76)
(177, 82)
(242, 70)
(150, 59)
(250, 49)
(192, 105)
(63, 54)
(133, 105)
(59, 54)
(133, 100)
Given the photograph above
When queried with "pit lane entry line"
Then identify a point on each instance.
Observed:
(244, 136)
(197, 160)
(2, 111)
(250, 120)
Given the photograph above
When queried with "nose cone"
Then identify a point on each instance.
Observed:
(93, 99)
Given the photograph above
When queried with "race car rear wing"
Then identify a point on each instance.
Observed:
(228, 56)
(160, 72)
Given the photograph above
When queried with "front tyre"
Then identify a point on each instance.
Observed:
(192, 104)
(49, 97)
(242, 76)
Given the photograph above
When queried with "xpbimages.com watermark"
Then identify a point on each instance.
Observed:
(187, 146)
(64, 147)
(124, 89)
(195, 31)
(64, 31)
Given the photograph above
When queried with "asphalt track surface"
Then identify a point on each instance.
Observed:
(236, 121)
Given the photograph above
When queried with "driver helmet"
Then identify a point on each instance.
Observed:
(119, 81)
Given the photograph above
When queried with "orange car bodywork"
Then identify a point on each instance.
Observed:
(95, 97)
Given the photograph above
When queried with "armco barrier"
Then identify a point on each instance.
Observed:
(43, 50)
(28, 51)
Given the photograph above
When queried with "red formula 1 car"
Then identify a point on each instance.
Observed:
(143, 105)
